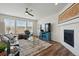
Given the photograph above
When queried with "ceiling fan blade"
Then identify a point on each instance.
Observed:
(27, 11)
(30, 14)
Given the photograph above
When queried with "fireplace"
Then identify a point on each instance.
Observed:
(69, 37)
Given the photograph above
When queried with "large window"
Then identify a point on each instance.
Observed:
(20, 26)
(17, 25)
(9, 25)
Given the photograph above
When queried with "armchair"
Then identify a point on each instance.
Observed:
(25, 35)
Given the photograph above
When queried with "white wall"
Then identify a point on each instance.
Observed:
(71, 25)
(54, 21)
(58, 31)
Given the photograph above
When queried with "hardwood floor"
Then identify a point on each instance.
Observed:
(55, 50)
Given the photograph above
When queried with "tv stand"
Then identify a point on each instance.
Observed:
(46, 35)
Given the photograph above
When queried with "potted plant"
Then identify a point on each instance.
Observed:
(3, 46)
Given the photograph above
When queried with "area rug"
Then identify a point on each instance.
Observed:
(29, 48)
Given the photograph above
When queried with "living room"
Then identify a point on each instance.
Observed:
(39, 28)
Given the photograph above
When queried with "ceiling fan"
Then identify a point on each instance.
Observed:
(28, 11)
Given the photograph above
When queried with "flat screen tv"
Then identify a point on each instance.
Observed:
(69, 37)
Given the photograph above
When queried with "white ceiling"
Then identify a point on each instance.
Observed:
(40, 10)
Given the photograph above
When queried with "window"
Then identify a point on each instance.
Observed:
(30, 26)
(20, 26)
(17, 25)
(9, 25)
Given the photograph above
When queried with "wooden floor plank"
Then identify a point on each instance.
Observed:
(55, 50)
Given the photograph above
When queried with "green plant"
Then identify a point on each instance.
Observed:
(2, 46)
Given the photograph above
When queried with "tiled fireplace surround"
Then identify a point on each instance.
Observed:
(71, 25)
